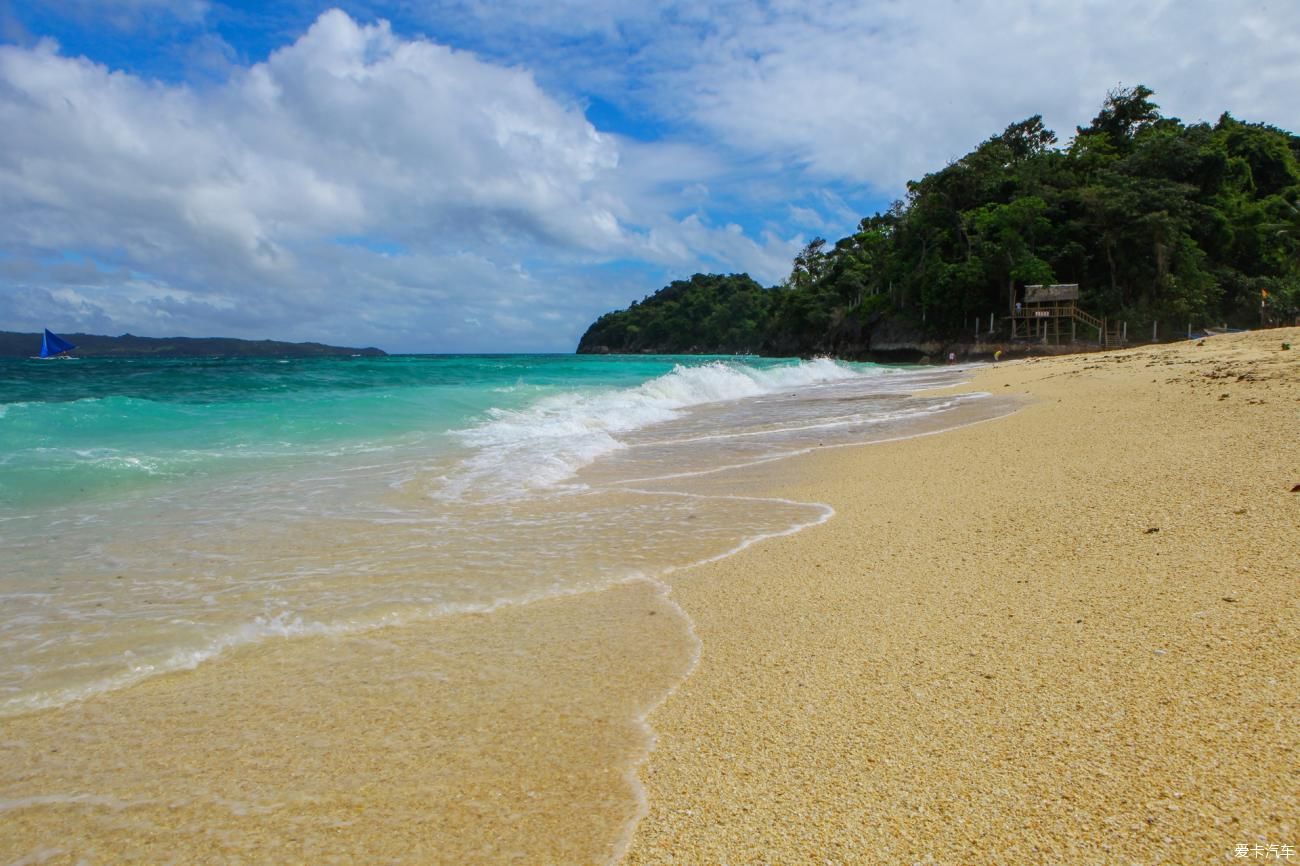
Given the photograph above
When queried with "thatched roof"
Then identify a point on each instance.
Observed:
(1051, 294)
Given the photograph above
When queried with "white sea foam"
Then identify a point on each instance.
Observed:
(286, 625)
(238, 550)
(542, 445)
(283, 625)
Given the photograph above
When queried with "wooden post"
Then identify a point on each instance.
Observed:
(990, 323)
(1124, 335)
(1189, 330)
(1154, 331)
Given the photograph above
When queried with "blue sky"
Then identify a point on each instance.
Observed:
(463, 175)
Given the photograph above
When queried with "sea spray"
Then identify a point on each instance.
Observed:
(544, 443)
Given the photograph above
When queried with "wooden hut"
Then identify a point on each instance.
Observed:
(1043, 313)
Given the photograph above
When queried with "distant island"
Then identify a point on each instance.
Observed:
(1161, 225)
(18, 345)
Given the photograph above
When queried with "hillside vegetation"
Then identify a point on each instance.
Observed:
(1155, 219)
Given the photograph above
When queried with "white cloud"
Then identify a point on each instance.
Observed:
(807, 217)
(226, 202)
(882, 91)
(361, 185)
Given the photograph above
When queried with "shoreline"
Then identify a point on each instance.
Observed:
(494, 738)
(628, 751)
(488, 735)
(1064, 634)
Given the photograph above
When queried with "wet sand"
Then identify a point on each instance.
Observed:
(489, 738)
(508, 735)
(1065, 636)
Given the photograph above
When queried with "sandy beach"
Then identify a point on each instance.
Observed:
(1065, 636)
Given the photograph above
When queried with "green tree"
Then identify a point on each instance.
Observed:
(1125, 113)
(1152, 217)
(1008, 237)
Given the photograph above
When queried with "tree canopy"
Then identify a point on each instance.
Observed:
(707, 313)
(1153, 218)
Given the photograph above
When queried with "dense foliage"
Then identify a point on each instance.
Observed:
(1156, 220)
(707, 313)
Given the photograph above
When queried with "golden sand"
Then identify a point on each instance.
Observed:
(500, 738)
(1065, 636)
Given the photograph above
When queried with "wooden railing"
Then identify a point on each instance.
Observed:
(1090, 320)
(1067, 311)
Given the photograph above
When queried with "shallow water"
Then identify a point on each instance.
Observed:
(453, 563)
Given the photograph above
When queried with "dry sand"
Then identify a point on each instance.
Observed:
(1065, 636)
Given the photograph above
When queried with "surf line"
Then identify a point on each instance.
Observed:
(633, 774)
(664, 590)
(811, 449)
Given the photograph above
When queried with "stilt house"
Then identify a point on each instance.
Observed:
(1043, 314)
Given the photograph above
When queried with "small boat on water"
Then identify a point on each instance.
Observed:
(53, 346)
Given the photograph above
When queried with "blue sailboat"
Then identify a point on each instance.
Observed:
(54, 346)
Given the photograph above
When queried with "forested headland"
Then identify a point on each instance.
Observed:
(1155, 219)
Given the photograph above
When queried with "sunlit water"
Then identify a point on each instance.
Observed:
(157, 515)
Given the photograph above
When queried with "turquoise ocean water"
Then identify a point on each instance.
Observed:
(157, 513)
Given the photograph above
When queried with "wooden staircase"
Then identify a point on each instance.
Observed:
(1044, 322)
(1115, 334)
(1099, 325)
(1045, 309)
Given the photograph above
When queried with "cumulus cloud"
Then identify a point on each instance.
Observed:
(362, 185)
(244, 202)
